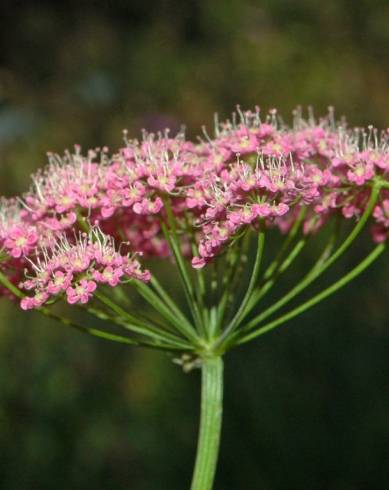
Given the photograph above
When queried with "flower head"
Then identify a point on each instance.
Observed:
(254, 172)
(77, 267)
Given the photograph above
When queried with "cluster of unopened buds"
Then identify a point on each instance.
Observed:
(88, 221)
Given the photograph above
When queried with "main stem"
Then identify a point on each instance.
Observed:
(210, 424)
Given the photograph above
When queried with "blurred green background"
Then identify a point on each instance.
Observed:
(305, 406)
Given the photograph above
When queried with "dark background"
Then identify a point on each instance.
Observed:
(306, 406)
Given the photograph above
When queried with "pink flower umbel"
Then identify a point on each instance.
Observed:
(76, 267)
(91, 221)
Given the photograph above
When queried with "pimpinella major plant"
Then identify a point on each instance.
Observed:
(86, 230)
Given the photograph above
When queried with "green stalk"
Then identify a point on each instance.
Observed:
(233, 259)
(95, 332)
(174, 342)
(174, 243)
(200, 289)
(210, 424)
(11, 287)
(321, 266)
(102, 334)
(318, 297)
(169, 301)
(292, 233)
(357, 229)
(250, 289)
(176, 319)
(131, 323)
(259, 293)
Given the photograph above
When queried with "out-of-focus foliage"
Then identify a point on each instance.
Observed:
(305, 407)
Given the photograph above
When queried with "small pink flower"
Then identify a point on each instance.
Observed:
(262, 210)
(134, 193)
(111, 202)
(280, 209)
(109, 276)
(62, 223)
(198, 262)
(361, 173)
(133, 269)
(107, 211)
(349, 210)
(147, 206)
(195, 197)
(78, 261)
(108, 257)
(28, 303)
(20, 241)
(381, 212)
(65, 202)
(379, 233)
(162, 182)
(81, 292)
(59, 282)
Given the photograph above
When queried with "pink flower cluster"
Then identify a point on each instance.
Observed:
(253, 172)
(76, 268)
(270, 172)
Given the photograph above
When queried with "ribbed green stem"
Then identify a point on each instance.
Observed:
(210, 424)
